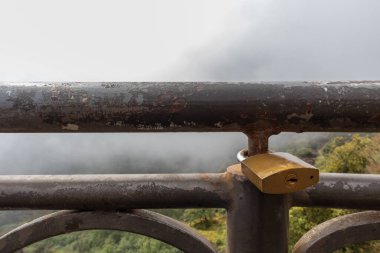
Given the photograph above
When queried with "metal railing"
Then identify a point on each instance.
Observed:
(256, 222)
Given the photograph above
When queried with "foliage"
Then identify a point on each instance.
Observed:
(347, 155)
(343, 154)
(100, 241)
(211, 223)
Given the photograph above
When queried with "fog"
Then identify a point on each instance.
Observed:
(171, 40)
(292, 40)
(118, 153)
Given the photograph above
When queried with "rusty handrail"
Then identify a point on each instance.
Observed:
(172, 107)
(131, 191)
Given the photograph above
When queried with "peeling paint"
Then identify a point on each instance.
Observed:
(140, 99)
(156, 126)
(306, 116)
(190, 123)
(119, 123)
(178, 105)
(71, 127)
(218, 124)
(172, 124)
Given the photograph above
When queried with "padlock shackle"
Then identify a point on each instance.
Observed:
(242, 155)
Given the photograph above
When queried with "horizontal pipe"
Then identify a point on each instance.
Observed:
(352, 191)
(120, 192)
(113, 192)
(202, 106)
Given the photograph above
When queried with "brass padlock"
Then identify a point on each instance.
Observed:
(278, 173)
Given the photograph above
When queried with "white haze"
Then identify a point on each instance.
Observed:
(170, 40)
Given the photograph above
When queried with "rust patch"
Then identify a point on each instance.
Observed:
(73, 224)
(172, 102)
(235, 169)
(244, 115)
(178, 105)
(306, 116)
(164, 99)
(375, 118)
(199, 87)
(204, 177)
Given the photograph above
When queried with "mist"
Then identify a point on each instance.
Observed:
(75, 153)
(291, 40)
(211, 40)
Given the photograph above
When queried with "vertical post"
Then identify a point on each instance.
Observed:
(256, 222)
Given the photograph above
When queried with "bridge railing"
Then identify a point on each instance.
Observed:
(256, 222)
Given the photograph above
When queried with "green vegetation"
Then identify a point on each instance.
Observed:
(343, 154)
(100, 241)
(340, 153)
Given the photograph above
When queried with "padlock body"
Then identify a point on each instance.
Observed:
(279, 173)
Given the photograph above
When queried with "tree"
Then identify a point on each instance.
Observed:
(347, 154)
(343, 154)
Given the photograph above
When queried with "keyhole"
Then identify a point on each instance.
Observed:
(291, 179)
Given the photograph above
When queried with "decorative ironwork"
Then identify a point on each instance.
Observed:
(340, 232)
(141, 222)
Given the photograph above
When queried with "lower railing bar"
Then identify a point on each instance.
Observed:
(120, 192)
(336, 190)
(113, 192)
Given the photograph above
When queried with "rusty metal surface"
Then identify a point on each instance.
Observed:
(264, 108)
(255, 220)
(142, 222)
(113, 192)
(110, 192)
(354, 191)
(340, 232)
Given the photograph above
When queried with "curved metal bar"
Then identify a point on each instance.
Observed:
(340, 232)
(141, 222)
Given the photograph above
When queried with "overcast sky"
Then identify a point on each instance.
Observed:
(173, 40)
